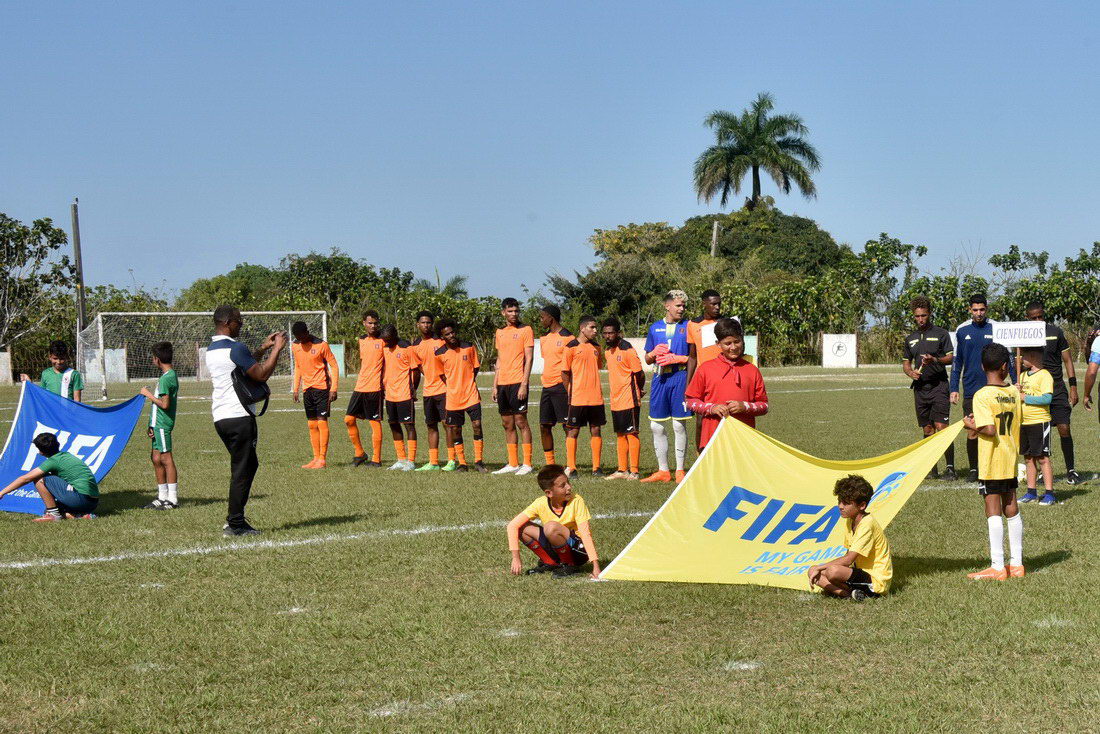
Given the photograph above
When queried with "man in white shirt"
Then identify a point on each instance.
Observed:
(235, 422)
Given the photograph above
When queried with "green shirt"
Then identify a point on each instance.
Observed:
(73, 471)
(169, 385)
(62, 383)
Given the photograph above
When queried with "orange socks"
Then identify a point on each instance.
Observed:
(527, 454)
(412, 450)
(322, 431)
(549, 458)
(315, 438)
(570, 453)
(450, 453)
(399, 449)
(597, 449)
(513, 455)
(376, 441)
(634, 448)
(460, 453)
(621, 447)
(479, 450)
(353, 434)
(433, 456)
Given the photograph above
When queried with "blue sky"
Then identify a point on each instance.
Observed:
(491, 139)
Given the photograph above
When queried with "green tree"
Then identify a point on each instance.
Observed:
(35, 279)
(753, 141)
(249, 287)
(453, 287)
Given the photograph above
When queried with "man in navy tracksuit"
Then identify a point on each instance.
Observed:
(969, 340)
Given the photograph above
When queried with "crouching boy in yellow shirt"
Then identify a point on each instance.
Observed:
(866, 569)
(563, 542)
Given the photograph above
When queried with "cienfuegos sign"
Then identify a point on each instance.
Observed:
(1020, 333)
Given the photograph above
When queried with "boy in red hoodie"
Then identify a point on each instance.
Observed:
(726, 385)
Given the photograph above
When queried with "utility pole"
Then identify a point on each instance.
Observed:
(713, 239)
(81, 314)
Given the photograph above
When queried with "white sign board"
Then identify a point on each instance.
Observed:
(1020, 333)
(838, 350)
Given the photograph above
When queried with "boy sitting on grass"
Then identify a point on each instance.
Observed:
(563, 542)
(66, 484)
(866, 569)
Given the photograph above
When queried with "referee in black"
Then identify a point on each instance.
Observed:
(926, 353)
(1055, 355)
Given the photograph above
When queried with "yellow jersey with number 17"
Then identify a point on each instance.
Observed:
(998, 406)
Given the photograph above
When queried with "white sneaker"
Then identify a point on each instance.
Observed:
(408, 466)
(398, 466)
(524, 470)
(506, 469)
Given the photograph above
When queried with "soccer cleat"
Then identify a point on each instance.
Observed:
(507, 469)
(410, 465)
(166, 505)
(597, 472)
(524, 470)
(565, 571)
(934, 474)
(949, 474)
(462, 467)
(972, 477)
(157, 504)
(633, 475)
(1030, 496)
(1048, 499)
(86, 516)
(1015, 572)
(374, 464)
(618, 475)
(680, 474)
(359, 460)
(48, 518)
(430, 467)
(481, 468)
(989, 574)
(542, 567)
(398, 465)
(246, 529)
(659, 476)
(1072, 477)
(570, 471)
(859, 595)
(450, 466)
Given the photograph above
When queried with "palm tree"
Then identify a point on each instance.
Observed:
(755, 140)
(454, 287)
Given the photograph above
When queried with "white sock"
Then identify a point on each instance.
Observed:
(681, 432)
(172, 496)
(996, 542)
(1016, 540)
(660, 444)
(162, 492)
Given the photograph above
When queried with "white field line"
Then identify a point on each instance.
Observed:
(205, 550)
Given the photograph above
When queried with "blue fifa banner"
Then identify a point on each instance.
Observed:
(98, 436)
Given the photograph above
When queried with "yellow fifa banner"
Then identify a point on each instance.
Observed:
(756, 511)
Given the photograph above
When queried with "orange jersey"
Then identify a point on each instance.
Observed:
(370, 367)
(551, 347)
(457, 366)
(315, 366)
(512, 343)
(425, 353)
(582, 362)
(622, 365)
(701, 334)
(399, 360)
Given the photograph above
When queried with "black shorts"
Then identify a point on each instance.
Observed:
(553, 405)
(861, 580)
(1035, 439)
(998, 486)
(458, 417)
(365, 406)
(580, 555)
(585, 415)
(933, 404)
(315, 400)
(508, 402)
(400, 412)
(1060, 408)
(625, 421)
(435, 408)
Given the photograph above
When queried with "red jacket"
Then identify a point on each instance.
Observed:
(719, 381)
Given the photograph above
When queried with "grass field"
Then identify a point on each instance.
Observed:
(362, 607)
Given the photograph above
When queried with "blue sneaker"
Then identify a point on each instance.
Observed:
(1029, 497)
(1048, 499)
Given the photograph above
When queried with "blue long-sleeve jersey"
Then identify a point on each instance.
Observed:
(967, 366)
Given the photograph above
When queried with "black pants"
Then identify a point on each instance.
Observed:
(239, 436)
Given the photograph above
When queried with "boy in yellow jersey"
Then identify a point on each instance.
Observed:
(866, 569)
(366, 398)
(459, 364)
(400, 377)
(626, 382)
(434, 391)
(554, 402)
(315, 368)
(996, 425)
(515, 345)
(1037, 387)
(563, 539)
(581, 373)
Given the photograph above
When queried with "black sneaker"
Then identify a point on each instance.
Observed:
(859, 595)
(462, 467)
(157, 504)
(167, 505)
(246, 529)
(949, 474)
(597, 473)
(972, 477)
(565, 571)
(374, 464)
(1072, 477)
(543, 567)
(481, 468)
(934, 474)
(359, 460)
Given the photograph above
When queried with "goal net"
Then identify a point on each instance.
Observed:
(117, 347)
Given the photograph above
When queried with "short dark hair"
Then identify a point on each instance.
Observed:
(920, 302)
(446, 324)
(853, 489)
(586, 319)
(728, 327)
(508, 303)
(1032, 305)
(1033, 351)
(978, 298)
(993, 356)
(613, 322)
(709, 293)
(389, 330)
(299, 329)
(549, 474)
(225, 314)
(47, 444)
(553, 310)
(371, 313)
(163, 352)
(422, 314)
(59, 349)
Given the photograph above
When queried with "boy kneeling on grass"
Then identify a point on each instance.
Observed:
(563, 542)
(866, 569)
(66, 484)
